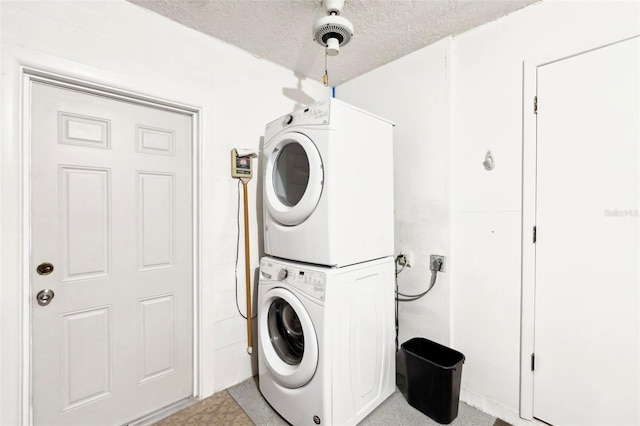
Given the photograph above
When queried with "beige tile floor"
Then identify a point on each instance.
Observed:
(218, 409)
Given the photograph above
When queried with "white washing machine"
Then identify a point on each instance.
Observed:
(326, 351)
(328, 185)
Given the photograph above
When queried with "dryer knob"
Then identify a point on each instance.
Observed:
(283, 274)
(288, 119)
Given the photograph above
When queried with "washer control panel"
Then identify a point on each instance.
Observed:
(308, 281)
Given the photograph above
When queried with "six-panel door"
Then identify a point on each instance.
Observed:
(111, 203)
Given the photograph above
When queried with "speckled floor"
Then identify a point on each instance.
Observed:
(394, 411)
(244, 405)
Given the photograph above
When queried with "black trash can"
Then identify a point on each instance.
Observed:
(401, 372)
(433, 374)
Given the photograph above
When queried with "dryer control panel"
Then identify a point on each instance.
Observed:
(313, 115)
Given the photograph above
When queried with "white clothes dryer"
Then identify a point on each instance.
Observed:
(328, 185)
(326, 352)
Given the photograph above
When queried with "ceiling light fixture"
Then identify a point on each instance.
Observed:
(333, 31)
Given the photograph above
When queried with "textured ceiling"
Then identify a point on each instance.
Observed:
(280, 31)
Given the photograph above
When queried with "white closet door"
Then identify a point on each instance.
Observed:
(587, 307)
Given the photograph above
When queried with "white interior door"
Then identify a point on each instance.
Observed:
(111, 211)
(587, 306)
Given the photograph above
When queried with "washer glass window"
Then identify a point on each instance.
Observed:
(291, 174)
(285, 332)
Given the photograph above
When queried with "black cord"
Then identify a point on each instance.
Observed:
(412, 297)
(238, 255)
(397, 304)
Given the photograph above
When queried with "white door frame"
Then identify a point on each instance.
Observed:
(529, 146)
(28, 76)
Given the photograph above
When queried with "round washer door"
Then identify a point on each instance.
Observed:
(288, 339)
(293, 179)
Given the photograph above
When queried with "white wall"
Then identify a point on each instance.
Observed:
(413, 93)
(119, 44)
(484, 71)
(487, 206)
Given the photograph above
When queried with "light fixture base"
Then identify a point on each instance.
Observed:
(335, 28)
(334, 6)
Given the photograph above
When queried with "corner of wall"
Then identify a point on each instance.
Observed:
(413, 92)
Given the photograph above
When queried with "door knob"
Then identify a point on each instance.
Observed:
(44, 268)
(44, 297)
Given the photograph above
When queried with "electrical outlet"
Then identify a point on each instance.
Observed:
(433, 263)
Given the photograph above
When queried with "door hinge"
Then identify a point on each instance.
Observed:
(533, 362)
(535, 104)
(535, 234)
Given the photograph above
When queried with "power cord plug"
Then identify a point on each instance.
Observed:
(437, 263)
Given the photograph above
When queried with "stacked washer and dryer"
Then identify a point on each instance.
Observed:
(326, 287)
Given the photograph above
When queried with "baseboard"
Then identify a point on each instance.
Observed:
(493, 408)
(152, 418)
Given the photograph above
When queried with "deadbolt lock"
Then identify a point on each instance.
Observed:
(44, 268)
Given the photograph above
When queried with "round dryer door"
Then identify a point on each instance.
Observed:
(293, 178)
(288, 339)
